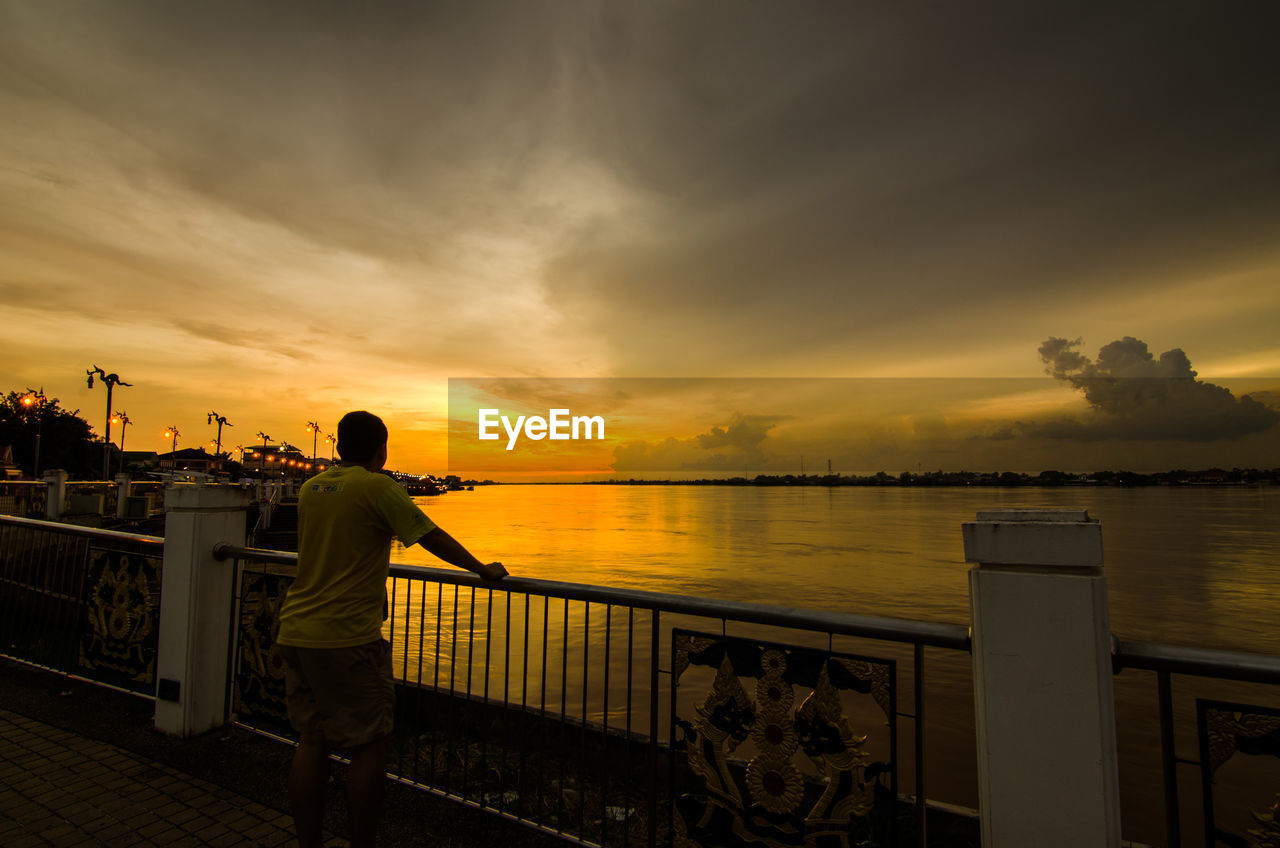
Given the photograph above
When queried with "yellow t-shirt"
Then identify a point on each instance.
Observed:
(347, 517)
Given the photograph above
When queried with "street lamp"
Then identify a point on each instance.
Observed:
(36, 398)
(173, 433)
(262, 459)
(313, 428)
(122, 419)
(112, 380)
(332, 441)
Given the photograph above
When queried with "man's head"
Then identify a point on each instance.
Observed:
(362, 438)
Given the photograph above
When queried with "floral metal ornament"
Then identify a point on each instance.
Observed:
(1228, 729)
(744, 755)
(1268, 835)
(775, 783)
(119, 633)
(260, 688)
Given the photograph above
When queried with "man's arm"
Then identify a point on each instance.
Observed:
(449, 549)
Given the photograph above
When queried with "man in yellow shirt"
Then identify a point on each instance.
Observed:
(338, 677)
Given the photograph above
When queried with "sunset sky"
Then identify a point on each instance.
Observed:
(282, 211)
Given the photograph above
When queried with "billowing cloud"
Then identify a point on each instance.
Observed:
(1132, 394)
(736, 446)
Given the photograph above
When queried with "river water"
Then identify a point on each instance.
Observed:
(1188, 566)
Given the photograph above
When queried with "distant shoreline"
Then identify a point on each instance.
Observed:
(1046, 479)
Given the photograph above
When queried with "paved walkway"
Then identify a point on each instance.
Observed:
(60, 789)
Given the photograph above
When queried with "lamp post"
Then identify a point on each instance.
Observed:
(36, 398)
(313, 428)
(112, 380)
(173, 433)
(121, 418)
(262, 460)
(332, 441)
(285, 463)
(217, 451)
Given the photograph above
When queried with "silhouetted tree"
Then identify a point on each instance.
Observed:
(66, 439)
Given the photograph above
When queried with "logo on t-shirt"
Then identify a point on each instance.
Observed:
(326, 488)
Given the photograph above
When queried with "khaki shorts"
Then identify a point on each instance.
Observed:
(348, 694)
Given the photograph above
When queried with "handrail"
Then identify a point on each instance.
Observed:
(77, 530)
(933, 634)
(1201, 662)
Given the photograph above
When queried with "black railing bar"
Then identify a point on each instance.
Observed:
(564, 704)
(511, 817)
(604, 759)
(655, 644)
(626, 768)
(233, 640)
(417, 700)
(77, 530)
(1200, 662)
(435, 678)
(521, 777)
(932, 634)
(69, 676)
(1169, 761)
(582, 754)
(506, 704)
(226, 550)
(38, 590)
(922, 818)
(484, 736)
(542, 699)
(471, 661)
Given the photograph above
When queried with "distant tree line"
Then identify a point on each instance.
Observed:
(1178, 477)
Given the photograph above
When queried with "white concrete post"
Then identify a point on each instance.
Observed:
(1043, 690)
(122, 495)
(195, 606)
(55, 493)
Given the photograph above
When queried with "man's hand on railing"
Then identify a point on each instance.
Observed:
(492, 571)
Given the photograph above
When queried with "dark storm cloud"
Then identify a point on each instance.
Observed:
(828, 177)
(743, 432)
(1135, 395)
(377, 130)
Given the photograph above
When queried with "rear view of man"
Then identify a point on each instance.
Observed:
(338, 676)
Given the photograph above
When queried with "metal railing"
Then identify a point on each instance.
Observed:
(90, 497)
(23, 498)
(81, 601)
(1223, 729)
(603, 715)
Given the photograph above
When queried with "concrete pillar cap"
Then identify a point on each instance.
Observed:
(1054, 537)
(1046, 515)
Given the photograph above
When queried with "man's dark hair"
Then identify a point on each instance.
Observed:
(360, 436)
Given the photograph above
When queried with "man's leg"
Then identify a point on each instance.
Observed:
(308, 785)
(366, 781)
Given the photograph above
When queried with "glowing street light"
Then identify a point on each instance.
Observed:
(265, 439)
(313, 428)
(332, 441)
(173, 433)
(36, 398)
(121, 418)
